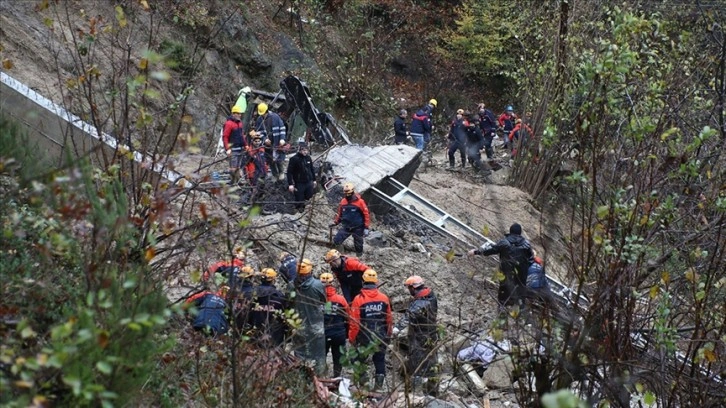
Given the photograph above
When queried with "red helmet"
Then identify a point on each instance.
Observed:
(414, 281)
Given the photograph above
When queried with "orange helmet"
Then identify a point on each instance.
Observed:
(332, 255)
(247, 272)
(326, 278)
(370, 276)
(414, 281)
(239, 252)
(269, 274)
(305, 267)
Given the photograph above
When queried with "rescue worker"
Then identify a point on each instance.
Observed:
(354, 218)
(519, 136)
(457, 139)
(273, 131)
(301, 176)
(506, 122)
(474, 144)
(266, 316)
(371, 322)
(256, 166)
(400, 132)
(421, 125)
(349, 272)
(420, 319)
(211, 317)
(336, 322)
(515, 257)
(309, 340)
(244, 292)
(288, 267)
(224, 267)
(488, 125)
(234, 142)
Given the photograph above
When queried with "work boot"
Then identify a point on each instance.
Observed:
(452, 164)
(379, 382)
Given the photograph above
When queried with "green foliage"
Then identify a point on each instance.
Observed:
(88, 311)
(18, 156)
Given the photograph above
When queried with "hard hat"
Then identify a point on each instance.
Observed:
(433, 102)
(223, 291)
(402, 112)
(414, 281)
(460, 111)
(247, 272)
(326, 278)
(518, 121)
(370, 276)
(305, 267)
(332, 255)
(262, 108)
(509, 108)
(269, 274)
(236, 109)
(348, 189)
(239, 252)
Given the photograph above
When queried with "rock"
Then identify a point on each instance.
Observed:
(431, 402)
(376, 239)
(499, 373)
(418, 247)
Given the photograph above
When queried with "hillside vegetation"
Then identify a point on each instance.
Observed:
(625, 170)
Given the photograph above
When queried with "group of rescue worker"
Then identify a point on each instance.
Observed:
(469, 133)
(361, 318)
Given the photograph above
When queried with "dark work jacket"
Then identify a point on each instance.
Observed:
(488, 122)
(288, 268)
(457, 131)
(300, 170)
(399, 130)
(266, 314)
(336, 315)
(474, 137)
(421, 318)
(421, 121)
(350, 273)
(212, 314)
(515, 256)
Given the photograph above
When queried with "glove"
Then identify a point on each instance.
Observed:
(229, 152)
(365, 232)
(291, 189)
(471, 252)
(396, 331)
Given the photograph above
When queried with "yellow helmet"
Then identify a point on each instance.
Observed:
(433, 102)
(269, 274)
(348, 189)
(247, 272)
(414, 281)
(305, 267)
(326, 278)
(370, 276)
(332, 255)
(262, 108)
(236, 109)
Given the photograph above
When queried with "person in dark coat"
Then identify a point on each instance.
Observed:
(288, 267)
(336, 322)
(488, 124)
(474, 143)
(400, 132)
(421, 125)
(301, 176)
(212, 311)
(266, 314)
(273, 131)
(515, 257)
(420, 319)
(457, 139)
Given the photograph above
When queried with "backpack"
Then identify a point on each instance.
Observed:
(536, 278)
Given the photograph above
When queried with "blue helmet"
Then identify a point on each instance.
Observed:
(509, 108)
